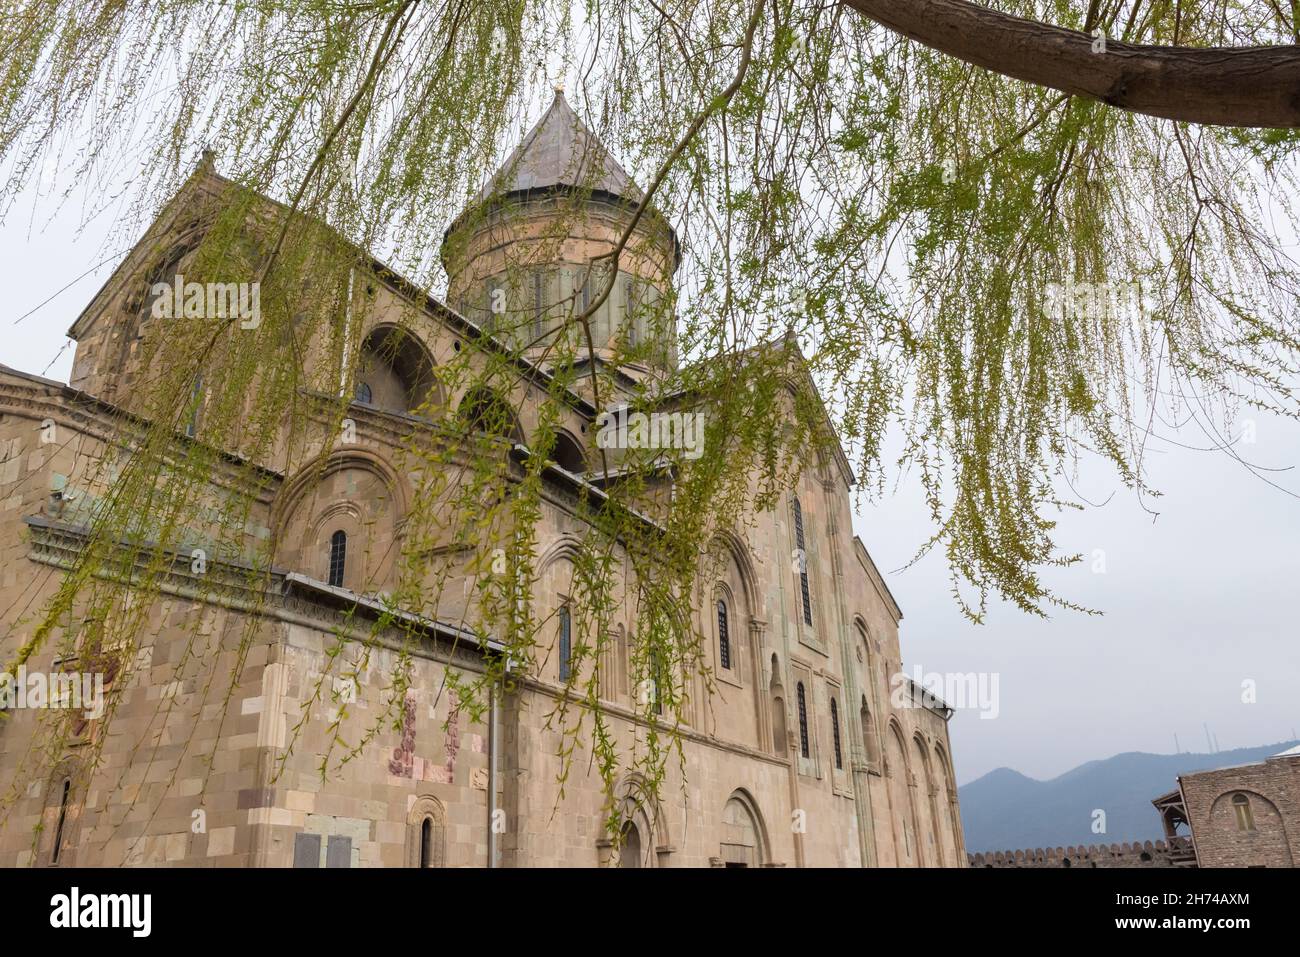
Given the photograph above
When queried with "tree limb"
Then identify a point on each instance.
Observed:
(1218, 86)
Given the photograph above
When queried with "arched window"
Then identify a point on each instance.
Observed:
(724, 640)
(835, 735)
(803, 720)
(1245, 818)
(426, 842)
(482, 410)
(869, 741)
(566, 642)
(338, 557)
(63, 817)
(803, 562)
(364, 392)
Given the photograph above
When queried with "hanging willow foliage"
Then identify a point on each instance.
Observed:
(1005, 276)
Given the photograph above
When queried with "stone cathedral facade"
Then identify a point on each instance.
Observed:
(801, 756)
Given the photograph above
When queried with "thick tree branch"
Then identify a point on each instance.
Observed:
(1219, 86)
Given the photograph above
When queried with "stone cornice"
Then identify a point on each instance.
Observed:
(269, 593)
(31, 396)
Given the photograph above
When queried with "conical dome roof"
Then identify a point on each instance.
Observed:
(561, 152)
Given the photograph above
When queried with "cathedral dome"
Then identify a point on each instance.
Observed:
(530, 251)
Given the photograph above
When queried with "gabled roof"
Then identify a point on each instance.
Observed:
(560, 151)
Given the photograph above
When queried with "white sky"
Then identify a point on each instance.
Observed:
(1195, 603)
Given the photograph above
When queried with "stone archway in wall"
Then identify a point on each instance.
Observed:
(642, 832)
(902, 819)
(353, 491)
(394, 371)
(484, 411)
(744, 840)
(947, 801)
(731, 577)
(1256, 836)
(927, 809)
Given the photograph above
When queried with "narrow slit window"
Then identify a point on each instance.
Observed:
(835, 735)
(566, 643)
(803, 720)
(724, 638)
(63, 817)
(338, 557)
(803, 563)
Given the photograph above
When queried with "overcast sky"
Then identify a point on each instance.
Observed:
(1196, 602)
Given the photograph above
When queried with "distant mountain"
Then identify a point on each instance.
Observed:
(1004, 810)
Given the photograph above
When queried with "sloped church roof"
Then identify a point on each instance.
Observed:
(560, 151)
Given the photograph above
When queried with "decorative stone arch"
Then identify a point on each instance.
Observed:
(948, 799)
(862, 634)
(745, 842)
(1268, 837)
(482, 409)
(552, 589)
(730, 564)
(161, 265)
(926, 801)
(61, 814)
(397, 367)
(727, 543)
(566, 547)
(315, 471)
(722, 593)
(899, 780)
(569, 453)
(305, 516)
(426, 833)
(641, 827)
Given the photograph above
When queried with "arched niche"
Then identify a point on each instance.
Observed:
(947, 800)
(394, 371)
(483, 411)
(776, 701)
(353, 491)
(743, 841)
(898, 777)
(569, 454)
(927, 809)
(642, 832)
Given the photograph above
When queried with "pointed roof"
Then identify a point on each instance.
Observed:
(560, 151)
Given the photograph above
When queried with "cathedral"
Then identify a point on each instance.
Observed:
(798, 754)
